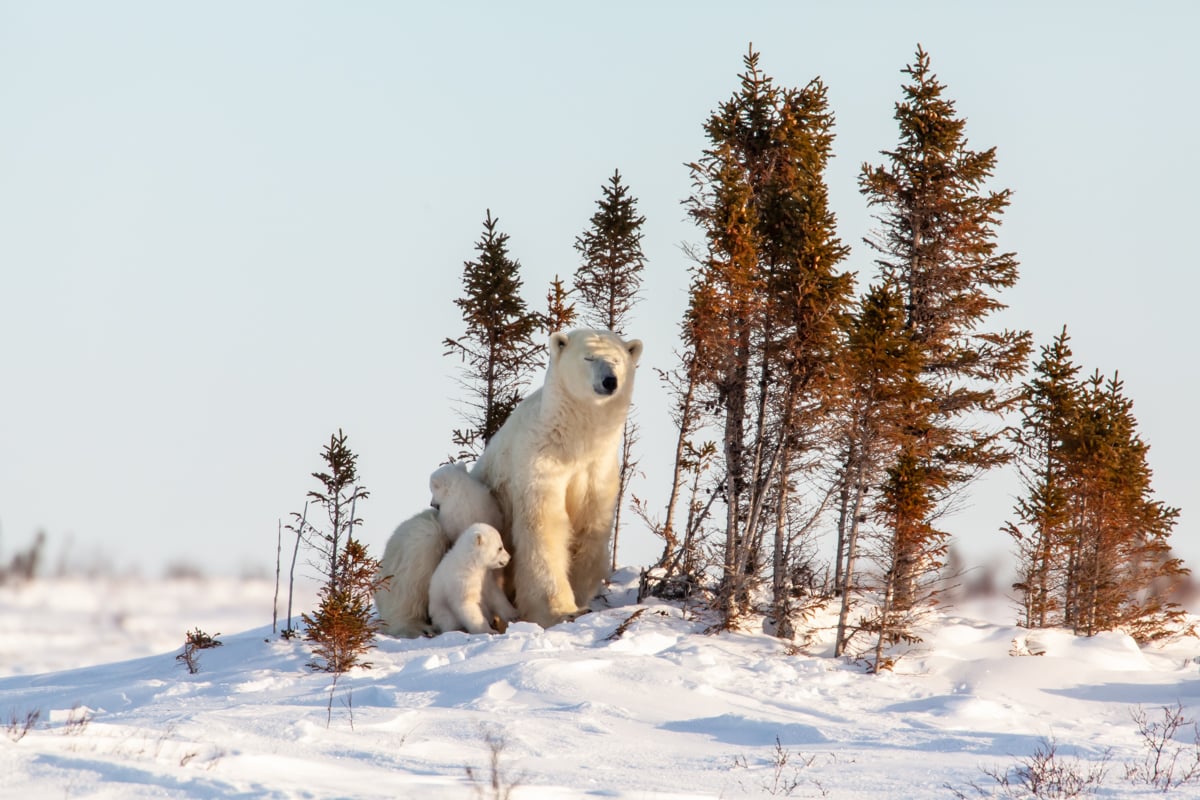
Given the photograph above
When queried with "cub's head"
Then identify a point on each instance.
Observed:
(485, 541)
(461, 500)
(594, 366)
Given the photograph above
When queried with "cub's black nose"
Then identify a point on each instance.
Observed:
(609, 383)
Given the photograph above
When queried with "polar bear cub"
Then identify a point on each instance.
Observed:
(461, 501)
(417, 546)
(459, 588)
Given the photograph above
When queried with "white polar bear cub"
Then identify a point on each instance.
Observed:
(417, 546)
(461, 501)
(553, 467)
(460, 585)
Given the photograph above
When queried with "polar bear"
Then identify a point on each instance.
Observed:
(553, 467)
(461, 501)
(417, 546)
(458, 590)
(409, 559)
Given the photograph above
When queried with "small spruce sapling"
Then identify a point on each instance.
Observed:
(195, 641)
(341, 629)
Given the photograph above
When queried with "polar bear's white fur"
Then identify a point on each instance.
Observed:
(417, 546)
(409, 559)
(553, 466)
(459, 586)
(461, 501)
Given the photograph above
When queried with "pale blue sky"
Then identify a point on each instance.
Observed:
(227, 229)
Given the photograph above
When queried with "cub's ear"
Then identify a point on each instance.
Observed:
(480, 539)
(634, 348)
(558, 343)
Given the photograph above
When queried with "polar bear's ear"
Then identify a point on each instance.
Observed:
(558, 343)
(634, 349)
(480, 539)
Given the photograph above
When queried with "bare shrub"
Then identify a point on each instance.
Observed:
(17, 726)
(786, 773)
(1045, 775)
(498, 784)
(77, 720)
(1166, 764)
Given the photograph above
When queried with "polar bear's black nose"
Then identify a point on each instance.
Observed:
(609, 383)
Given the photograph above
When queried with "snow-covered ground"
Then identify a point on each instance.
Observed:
(660, 711)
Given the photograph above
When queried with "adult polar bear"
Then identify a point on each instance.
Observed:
(553, 467)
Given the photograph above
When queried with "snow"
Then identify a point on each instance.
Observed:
(663, 711)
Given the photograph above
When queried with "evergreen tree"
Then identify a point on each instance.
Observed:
(1092, 543)
(497, 348)
(770, 296)
(938, 246)
(341, 628)
(339, 496)
(610, 275)
(1049, 411)
(879, 369)
(607, 283)
(1119, 564)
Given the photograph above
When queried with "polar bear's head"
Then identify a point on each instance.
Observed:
(486, 546)
(461, 500)
(594, 366)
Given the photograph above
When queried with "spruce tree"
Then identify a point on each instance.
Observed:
(879, 369)
(339, 495)
(1049, 413)
(497, 349)
(1120, 568)
(938, 245)
(1092, 542)
(609, 278)
(341, 628)
(768, 289)
(607, 283)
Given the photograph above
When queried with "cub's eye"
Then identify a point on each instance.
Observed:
(589, 358)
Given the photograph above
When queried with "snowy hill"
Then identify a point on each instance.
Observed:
(659, 711)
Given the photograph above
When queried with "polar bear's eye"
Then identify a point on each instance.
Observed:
(589, 358)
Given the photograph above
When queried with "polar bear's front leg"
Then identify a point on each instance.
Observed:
(592, 562)
(541, 534)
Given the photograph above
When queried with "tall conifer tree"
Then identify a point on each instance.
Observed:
(610, 276)
(1049, 412)
(497, 349)
(937, 244)
(607, 283)
(879, 370)
(768, 289)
